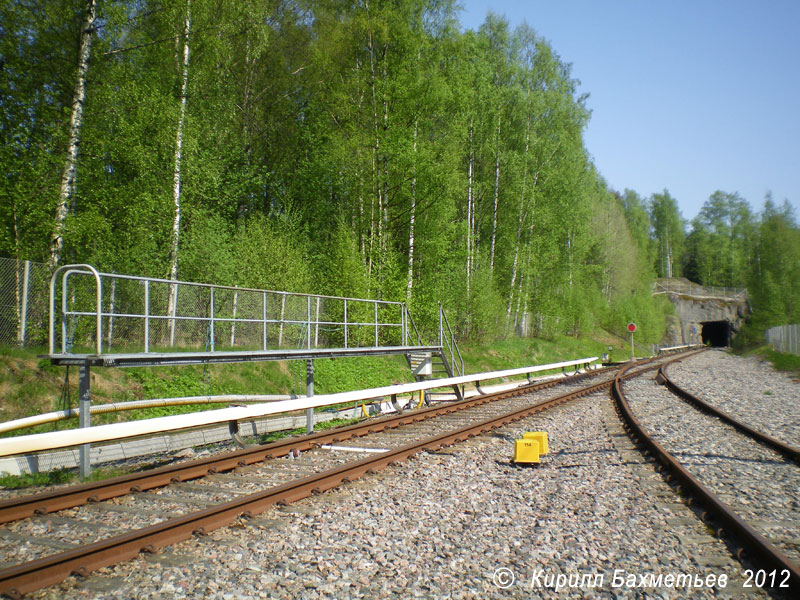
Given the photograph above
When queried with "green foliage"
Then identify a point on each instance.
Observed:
(362, 149)
(170, 384)
(59, 476)
(668, 234)
(780, 360)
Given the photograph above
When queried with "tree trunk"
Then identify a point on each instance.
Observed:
(66, 193)
(411, 219)
(176, 176)
(520, 214)
(496, 194)
(469, 207)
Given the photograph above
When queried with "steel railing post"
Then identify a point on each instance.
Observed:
(375, 304)
(441, 331)
(316, 326)
(233, 322)
(146, 315)
(403, 331)
(109, 342)
(308, 318)
(211, 325)
(64, 307)
(280, 330)
(264, 314)
(345, 323)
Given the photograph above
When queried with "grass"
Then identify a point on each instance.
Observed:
(30, 386)
(781, 361)
(57, 477)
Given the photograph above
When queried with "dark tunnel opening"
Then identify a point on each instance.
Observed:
(716, 333)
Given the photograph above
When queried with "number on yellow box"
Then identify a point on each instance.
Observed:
(526, 451)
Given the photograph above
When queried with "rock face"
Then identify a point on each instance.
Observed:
(704, 314)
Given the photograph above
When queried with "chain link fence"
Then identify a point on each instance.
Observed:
(682, 286)
(150, 315)
(24, 291)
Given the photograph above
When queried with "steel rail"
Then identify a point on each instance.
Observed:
(21, 579)
(47, 502)
(783, 448)
(761, 550)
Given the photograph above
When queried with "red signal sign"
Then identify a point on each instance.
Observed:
(631, 327)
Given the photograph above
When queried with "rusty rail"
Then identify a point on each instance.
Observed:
(21, 579)
(20, 508)
(761, 550)
(788, 451)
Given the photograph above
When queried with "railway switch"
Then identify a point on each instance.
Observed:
(541, 437)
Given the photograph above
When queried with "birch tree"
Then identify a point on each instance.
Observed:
(176, 177)
(66, 193)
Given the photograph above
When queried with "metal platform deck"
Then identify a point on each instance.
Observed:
(153, 359)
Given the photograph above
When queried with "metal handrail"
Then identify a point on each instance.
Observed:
(410, 319)
(39, 442)
(222, 316)
(68, 270)
(443, 320)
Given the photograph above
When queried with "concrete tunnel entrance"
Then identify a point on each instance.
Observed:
(716, 333)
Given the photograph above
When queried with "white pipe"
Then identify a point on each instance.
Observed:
(100, 409)
(105, 433)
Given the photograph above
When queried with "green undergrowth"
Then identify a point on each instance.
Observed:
(31, 386)
(780, 360)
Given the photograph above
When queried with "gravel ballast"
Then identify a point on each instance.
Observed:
(748, 389)
(458, 524)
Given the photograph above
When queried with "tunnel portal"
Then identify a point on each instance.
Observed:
(716, 333)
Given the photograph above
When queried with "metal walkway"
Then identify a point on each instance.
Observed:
(110, 320)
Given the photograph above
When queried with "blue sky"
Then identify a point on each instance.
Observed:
(691, 97)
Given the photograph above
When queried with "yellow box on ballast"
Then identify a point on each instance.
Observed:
(541, 436)
(526, 451)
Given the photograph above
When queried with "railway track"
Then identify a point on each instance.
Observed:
(745, 481)
(82, 528)
(77, 529)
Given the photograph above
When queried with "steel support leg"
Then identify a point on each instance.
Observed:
(309, 393)
(85, 400)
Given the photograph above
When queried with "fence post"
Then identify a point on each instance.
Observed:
(85, 398)
(23, 311)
